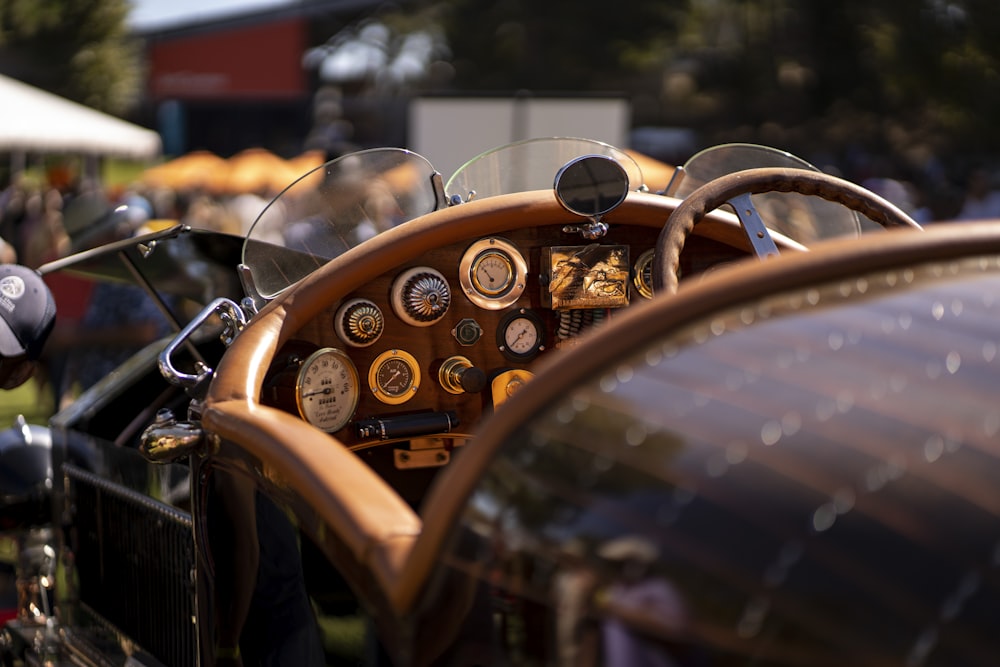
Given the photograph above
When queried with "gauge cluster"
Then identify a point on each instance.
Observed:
(432, 346)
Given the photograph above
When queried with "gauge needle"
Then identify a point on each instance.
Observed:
(325, 390)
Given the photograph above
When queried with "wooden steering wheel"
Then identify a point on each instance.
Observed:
(717, 192)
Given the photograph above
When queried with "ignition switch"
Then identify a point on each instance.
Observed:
(457, 375)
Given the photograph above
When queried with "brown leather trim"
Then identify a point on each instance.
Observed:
(369, 518)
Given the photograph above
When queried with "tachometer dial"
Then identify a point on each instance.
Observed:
(327, 389)
(394, 377)
(492, 273)
(521, 335)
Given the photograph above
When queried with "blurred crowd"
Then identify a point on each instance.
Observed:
(99, 324)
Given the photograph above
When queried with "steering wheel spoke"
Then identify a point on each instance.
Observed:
(760, 239)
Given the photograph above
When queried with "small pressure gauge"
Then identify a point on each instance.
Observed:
(521, 335)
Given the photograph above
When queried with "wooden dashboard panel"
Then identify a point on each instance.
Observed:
(431, 346)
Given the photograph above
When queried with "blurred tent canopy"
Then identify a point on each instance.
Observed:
(33, 120)
(251, 170)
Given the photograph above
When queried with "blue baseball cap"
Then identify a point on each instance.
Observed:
(27, 311)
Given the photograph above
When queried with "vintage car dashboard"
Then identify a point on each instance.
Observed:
(431, 346)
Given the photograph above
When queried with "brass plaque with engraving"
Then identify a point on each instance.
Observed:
(591, 276)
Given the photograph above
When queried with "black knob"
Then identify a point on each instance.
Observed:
(472, 380)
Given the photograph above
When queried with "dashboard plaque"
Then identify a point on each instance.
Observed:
(591, 276)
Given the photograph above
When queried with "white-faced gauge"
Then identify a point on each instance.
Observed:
(492, 273)
(394, 377)
(327, 389)
(521, 335)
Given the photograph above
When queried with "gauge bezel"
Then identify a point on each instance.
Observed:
(376, 387)
(344, 335)
(398, 295)
(642, 282)
(492, 298)
(353, 379)
(505, 324)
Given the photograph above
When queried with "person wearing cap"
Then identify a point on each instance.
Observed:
(27, 315)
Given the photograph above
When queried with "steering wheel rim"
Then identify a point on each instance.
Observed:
(714, 194)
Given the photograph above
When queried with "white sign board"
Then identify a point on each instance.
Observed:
(450, 131)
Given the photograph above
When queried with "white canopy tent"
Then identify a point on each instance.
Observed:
(35, 121)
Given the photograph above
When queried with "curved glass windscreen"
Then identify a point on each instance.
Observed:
(802, 218)
(334, 208)
(530, 165)
(807, 480)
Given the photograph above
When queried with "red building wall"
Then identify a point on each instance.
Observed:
(260, 62)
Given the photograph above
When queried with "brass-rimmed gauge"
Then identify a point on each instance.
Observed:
(394, 377)
(521, 335)
(492, 273)
(327, 389)
(642, 274)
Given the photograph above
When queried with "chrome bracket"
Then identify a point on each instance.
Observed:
(233, 320)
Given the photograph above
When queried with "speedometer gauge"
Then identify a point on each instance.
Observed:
(327, 389)
(492, 273)
(394, 377)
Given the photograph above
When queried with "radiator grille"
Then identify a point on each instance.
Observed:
(134, 560)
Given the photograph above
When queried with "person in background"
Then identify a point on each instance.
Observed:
(982, 199)
(116, 319)
(27, 315)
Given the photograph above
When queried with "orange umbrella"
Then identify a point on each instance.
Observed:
(307, 161)
(300, 165)
(192, 170)
(256, 170)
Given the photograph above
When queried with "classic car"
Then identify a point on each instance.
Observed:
(543, 413)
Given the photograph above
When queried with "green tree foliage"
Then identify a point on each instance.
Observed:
(556, 46)
(908, 78)
(80, 49)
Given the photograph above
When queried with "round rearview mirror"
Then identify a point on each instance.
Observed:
(591, 185)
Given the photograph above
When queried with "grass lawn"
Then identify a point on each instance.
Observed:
(29, 400)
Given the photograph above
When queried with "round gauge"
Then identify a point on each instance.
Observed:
(642, 274)
(521, 335)
(327, 389)
(359, 322)
(420, 296)
(394, 377)
(492, 273)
